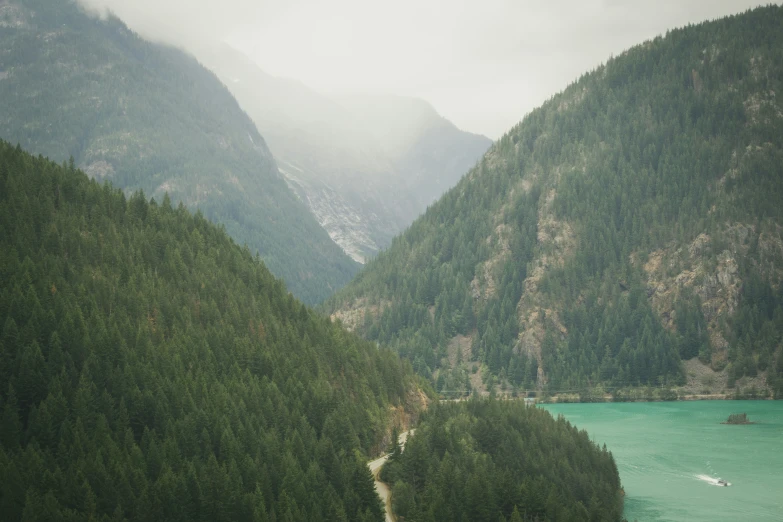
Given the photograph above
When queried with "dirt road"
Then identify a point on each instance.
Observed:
(383, 489)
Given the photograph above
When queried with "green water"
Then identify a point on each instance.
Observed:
(670, 453)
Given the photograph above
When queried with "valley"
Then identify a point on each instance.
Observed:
(365, 165)
(230, 295)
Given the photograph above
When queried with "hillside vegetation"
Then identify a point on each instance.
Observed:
(152, 369)
(631, 222)
(500, 460)
(150, 117)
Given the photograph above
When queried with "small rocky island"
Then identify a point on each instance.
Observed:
(738, 418)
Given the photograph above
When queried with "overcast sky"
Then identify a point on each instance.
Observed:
(483, 64)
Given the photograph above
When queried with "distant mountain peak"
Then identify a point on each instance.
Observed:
(365, 164)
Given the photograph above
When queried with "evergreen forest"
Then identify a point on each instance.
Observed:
(152, 369)
(489, 460)
(630, 223)
(150, 117)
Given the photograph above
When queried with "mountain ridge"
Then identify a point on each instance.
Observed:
(543, 257)
(148, 116)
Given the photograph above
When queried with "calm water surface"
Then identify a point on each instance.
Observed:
(670, 455)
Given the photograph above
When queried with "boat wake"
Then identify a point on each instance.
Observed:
(713, 481)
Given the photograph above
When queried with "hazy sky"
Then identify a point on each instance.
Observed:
(483, 64)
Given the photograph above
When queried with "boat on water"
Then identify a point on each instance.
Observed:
(722, 482)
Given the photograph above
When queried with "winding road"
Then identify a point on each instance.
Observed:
(382, 488)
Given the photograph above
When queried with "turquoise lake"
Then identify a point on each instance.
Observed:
(670, 455)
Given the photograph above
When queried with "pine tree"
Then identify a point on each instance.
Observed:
(11, 427)
(395, 449)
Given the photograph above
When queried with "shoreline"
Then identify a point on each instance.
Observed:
(576, 399)
(680, 398)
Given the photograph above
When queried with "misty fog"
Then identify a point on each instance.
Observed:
(482, 65)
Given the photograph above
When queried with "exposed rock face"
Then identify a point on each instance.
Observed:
(366, 166)
(354, 316)
(557, 242)
(713, 276)
(347, 227)
(672, 271)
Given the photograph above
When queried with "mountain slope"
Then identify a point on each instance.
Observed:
(631, 222)
(366, 166)
(154, 370)
(150, 117)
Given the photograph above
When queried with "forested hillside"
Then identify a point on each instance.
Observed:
(500, 460)
(631, 222)
(150, 117)
(152, 369)
(366, 166)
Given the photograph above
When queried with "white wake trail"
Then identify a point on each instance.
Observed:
(711, 480)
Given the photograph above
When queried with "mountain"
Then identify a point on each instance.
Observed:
(366, 166)
(628, 233)
(152, 369)
(150, 117)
